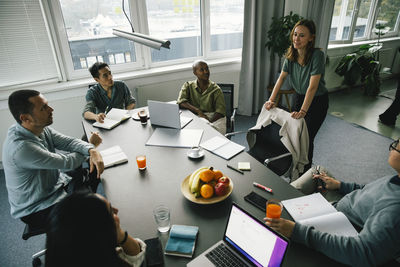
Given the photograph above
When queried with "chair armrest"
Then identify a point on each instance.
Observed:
(232, 119)
(234, 133)
(267, 161)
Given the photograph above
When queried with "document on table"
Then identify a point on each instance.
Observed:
(113, 156)
(222, 147)
(113, 118)
(315, 210)
(187, 138)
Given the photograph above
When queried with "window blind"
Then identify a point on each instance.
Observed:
(25, 49)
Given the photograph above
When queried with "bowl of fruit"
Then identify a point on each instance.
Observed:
(206, 186)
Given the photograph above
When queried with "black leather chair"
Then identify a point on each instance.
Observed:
(269, 150)
(228, 90)
(30, 231)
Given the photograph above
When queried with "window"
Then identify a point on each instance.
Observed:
(226, 24)
(196, 28)
(88, 26)
(179, 22)
(355, 20)
(25, 49)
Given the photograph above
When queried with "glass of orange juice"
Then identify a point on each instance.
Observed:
(141, 162)
(274, 208)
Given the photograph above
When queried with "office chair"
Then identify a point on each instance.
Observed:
(30, 231)
(227, 89)
(269, 150)
(282, 149)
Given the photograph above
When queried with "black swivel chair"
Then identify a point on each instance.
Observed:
(268, 149)
(227, 89)
(30, 231)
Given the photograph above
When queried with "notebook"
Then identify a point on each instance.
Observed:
(222, 147)
(113, 156)
(181, 241)
(113, 118)
(315, 210)
(251, 241)
(166, 114)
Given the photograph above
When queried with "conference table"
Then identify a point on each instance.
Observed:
(135, 192)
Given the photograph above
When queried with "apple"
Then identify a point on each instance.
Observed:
(220, 189)
(224, 180)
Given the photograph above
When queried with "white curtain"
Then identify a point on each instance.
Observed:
(321, 13)
(256, 66)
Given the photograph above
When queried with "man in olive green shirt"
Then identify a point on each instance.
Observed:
(204, 97)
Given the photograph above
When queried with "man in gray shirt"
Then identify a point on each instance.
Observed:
(33, 168)
(374, 207)
(106, 94)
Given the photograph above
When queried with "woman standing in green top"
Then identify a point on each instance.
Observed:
(305, 65)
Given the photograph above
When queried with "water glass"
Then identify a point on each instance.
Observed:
(162, 217)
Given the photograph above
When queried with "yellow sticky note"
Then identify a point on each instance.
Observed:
(244, 166)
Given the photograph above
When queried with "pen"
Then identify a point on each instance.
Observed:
(106, 110)
(269, 190)
(233, 168)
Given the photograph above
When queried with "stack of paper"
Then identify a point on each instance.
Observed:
(113, 118)
(181, 241)
(222, 147)
(113, 156)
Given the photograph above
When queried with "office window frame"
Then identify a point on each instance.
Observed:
(372, 19)
(138, 13)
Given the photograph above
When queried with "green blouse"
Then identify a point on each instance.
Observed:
(300, 75)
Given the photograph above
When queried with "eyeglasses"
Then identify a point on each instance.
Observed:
(393, 146)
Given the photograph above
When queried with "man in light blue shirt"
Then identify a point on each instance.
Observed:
(33, 168)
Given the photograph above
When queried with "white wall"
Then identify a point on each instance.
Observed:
(68, 102)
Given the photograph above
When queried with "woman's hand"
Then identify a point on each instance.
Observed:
(283, 226)
(298, 114)
(269, 105)
(95, 139)
(330, 183)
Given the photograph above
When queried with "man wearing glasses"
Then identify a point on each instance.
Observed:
(374, 208)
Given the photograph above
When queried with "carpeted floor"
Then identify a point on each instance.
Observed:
(350, 152)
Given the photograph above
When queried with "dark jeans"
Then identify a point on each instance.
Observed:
(393, 111)
(82, 180)
(314, 118)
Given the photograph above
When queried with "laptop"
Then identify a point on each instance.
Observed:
(166, 114)
(251, 242)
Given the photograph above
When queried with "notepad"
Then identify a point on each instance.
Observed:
(181, 241)
(113, 118)
(113, 156)
(315, 210)
(222, 147)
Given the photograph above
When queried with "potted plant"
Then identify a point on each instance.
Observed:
(279, 34)
(363, 64)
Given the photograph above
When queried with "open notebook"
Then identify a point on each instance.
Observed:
(315, 210)
(113, 118)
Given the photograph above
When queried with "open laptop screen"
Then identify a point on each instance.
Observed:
(254, 240)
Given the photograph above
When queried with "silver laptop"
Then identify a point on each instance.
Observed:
(250, 241)
(166, 114)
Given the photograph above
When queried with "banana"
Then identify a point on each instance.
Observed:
(196, 184)
(194, 174)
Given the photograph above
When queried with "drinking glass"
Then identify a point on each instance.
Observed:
(162, 217)
(274, 208)
(141, 162)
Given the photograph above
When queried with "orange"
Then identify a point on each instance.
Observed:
(218, 174)
(206, 191)
(206, 175)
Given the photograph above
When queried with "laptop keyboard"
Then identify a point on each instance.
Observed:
(222, 256)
